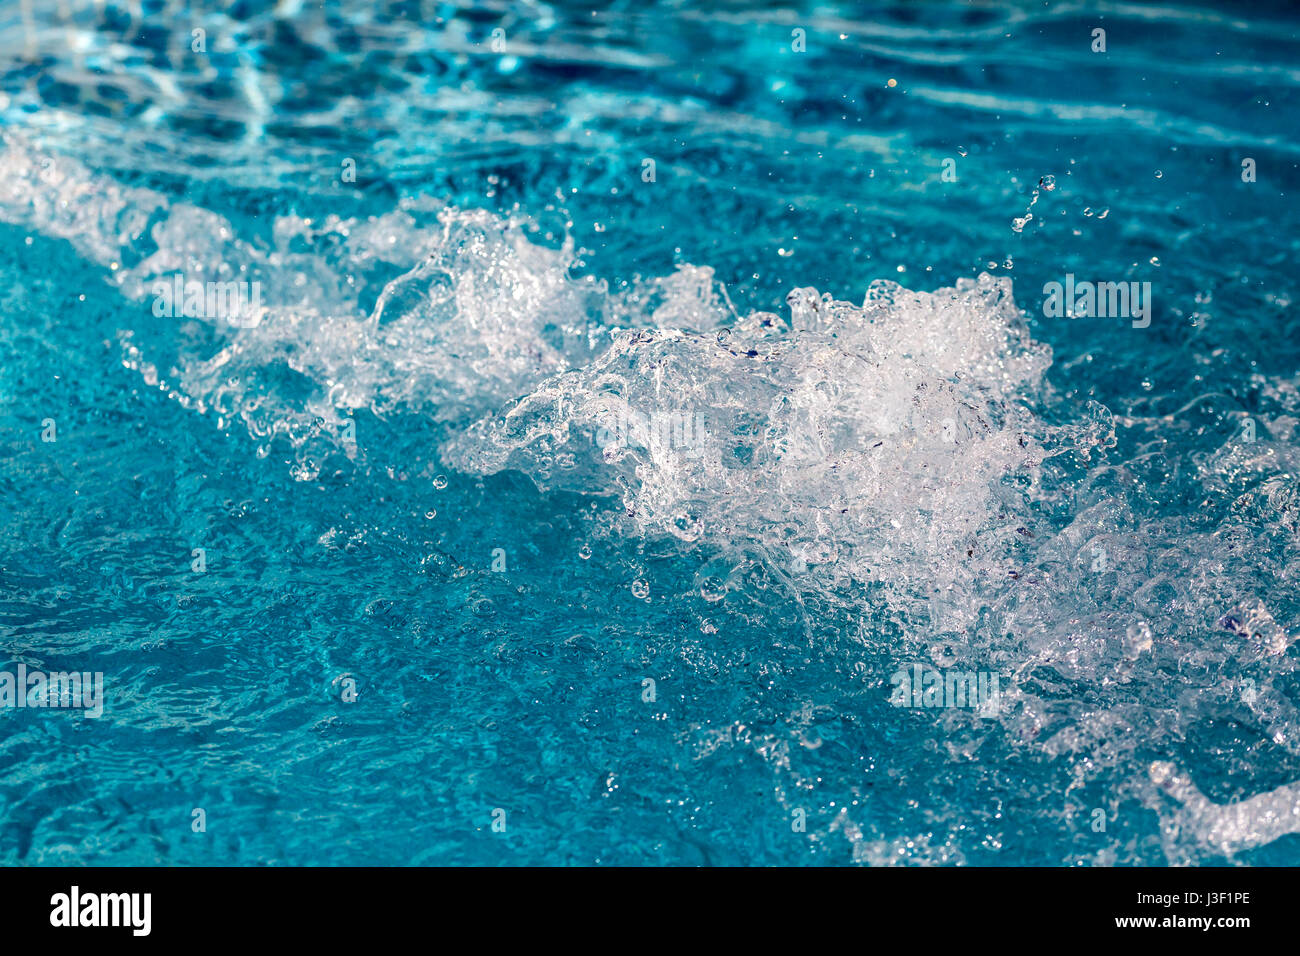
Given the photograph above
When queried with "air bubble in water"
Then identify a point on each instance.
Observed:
(713, 590)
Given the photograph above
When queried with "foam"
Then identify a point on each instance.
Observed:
(426, 308)
(1233, 827)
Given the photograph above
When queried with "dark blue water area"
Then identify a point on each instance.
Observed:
(499, 628)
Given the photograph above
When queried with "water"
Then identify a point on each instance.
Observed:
(628, 413)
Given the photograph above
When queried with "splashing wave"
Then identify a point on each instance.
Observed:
(904, 453)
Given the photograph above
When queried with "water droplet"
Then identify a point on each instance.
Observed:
(713, 590)
(431, 514)
(440, 482)
(585, 552)
(1138, 638)
(640, 588)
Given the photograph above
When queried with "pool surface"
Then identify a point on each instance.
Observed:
(693, 434)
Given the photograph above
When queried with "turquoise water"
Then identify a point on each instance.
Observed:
(619, 402)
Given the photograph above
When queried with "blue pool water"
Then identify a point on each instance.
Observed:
(621, 397)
